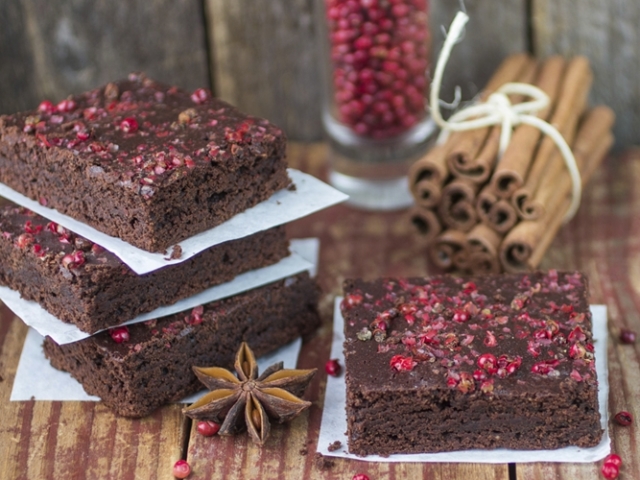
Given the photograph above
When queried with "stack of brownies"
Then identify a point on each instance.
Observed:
(152, 166)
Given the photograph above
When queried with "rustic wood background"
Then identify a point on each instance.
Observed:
(263, 56)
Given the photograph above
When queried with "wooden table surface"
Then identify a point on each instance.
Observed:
(78, 440)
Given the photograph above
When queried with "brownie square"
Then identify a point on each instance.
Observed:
(444, 364)
(142, 161)
(81, 283)
(138, 368)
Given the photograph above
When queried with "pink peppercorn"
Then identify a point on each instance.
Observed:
(611, 467)
(181, 469)
(120, 334)
(207, 428)
(332, 367)
(624, 418)
(627, 336)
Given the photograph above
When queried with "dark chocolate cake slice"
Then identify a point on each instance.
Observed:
(446, 363)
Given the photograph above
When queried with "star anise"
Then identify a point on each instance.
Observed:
(274, 394)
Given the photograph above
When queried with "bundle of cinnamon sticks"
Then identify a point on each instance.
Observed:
(484, 214)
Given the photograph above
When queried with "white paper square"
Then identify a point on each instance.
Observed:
(284, 206)
(334, 420)
(303, 258)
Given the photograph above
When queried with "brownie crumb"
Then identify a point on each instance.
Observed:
(291, 188)
(335, 446)
(303, 451)
(323, 463)
(176, 252)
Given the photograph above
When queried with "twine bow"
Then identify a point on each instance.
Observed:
(498, 110)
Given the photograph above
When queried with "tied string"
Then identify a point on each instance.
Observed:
(498, 110)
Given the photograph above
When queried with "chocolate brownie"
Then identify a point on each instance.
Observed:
(141, 161)
(138, 368)
(446, 363)
(81, 283)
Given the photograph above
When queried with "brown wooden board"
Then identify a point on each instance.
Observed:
(606, 32)
(264, 59)
(78, 440)
(51, 49)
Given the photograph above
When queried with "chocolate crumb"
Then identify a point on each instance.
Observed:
(334, 446)
(322, 462)
(176, 253)
(292, 187)
(303, 451)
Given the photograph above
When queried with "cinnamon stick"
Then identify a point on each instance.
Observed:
(515, 162)
(426, 221)
(446, 246)
(571, 102)
(496, 212)
(427, 193)
(599, 155)
(432, 168)
(457, 205)
(525, 245)
(474, 154)
(483, 244)
(596, 125)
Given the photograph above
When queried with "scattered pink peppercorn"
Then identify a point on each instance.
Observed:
(73, 260)
(82, 135)
(201, 95)
(129, 125)
(332, 367)
(120, 334)
(627, 336)
(207, 428)
(360, 476)
(46, 107)
(460, 316)
(400, 363)
(488, 362)
(24, 240)
(181, 469)
(351, 301)
(624, 418)
(613, 459)
(610, 471)
(66, 105)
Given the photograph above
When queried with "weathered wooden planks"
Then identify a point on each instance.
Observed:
(264, 55)
(52, 49)
(78, 440)
(264, 59)
(607, 33)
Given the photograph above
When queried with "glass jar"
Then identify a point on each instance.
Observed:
(375, 59)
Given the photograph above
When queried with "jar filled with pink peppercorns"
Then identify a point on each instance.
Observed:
(376, 58)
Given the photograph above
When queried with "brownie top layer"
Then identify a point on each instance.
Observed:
(141, 134)
(502, 334)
